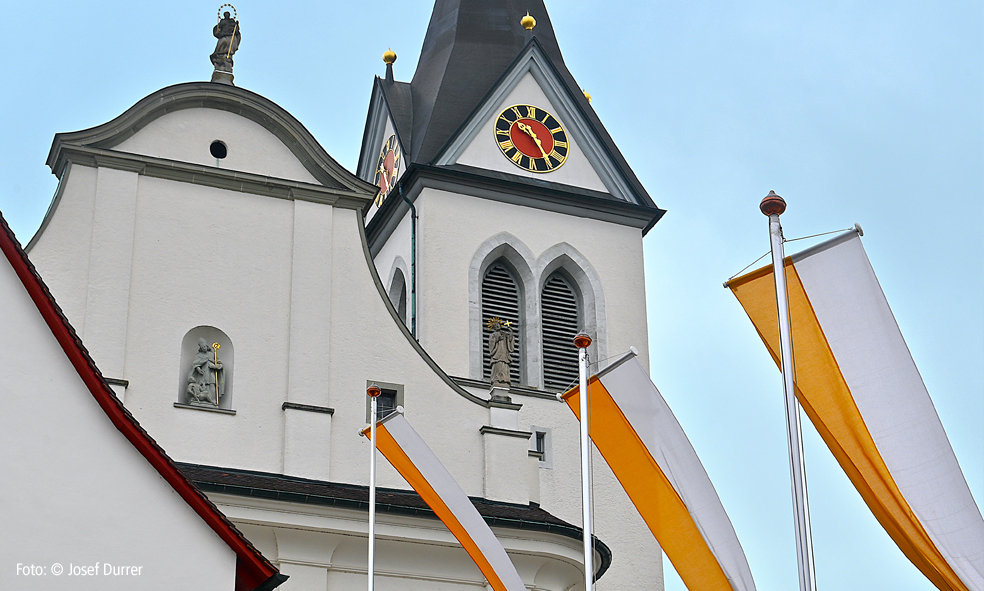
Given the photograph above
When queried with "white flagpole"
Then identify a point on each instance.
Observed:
(582, 342)
(373, 391)
(773, 206)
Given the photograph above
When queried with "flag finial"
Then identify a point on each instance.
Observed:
(773, 204)
(582, 341)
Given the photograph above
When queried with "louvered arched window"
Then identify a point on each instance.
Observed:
(501, 297)
(561, 322)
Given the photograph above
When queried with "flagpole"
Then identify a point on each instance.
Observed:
(773, 206)
(373, 391)
(582, 342)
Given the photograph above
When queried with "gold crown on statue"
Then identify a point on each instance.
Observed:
(495, 319)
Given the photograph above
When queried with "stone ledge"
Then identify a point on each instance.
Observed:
(307, 407)
(488, 430)
(224, 411)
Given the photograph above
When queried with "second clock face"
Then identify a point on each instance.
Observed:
(531, 138)
(387, 168)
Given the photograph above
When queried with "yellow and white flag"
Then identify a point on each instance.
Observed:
(414, 460)
(637, 434)
(856, 380)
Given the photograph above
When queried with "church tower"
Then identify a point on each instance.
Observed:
(502, 195)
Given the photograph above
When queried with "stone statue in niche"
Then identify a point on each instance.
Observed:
(502, 342)
(229, 34)
(206, 380)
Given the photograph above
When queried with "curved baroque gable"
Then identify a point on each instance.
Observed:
(206, 95)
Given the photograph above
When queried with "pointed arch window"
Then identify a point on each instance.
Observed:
(561, 317)
(501, 297)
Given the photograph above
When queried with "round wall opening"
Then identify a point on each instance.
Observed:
(218, 150)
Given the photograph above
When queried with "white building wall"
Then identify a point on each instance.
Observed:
(186, 136)
(76, 492)
(398, 247)
(65, 263)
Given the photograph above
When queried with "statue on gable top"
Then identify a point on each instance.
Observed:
(228, 34)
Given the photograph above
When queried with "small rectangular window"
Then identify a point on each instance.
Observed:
(540, 446)
(391, 396)
(386, 403)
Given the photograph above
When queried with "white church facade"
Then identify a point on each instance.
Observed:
(239, 290)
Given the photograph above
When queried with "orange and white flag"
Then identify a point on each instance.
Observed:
(414, 460)
(637, 434)
(856, 380)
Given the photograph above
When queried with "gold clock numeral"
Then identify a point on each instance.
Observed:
(555, 130)
(516, 157)
(531, 112)
(553, 154)
(506, 144)
(516, 110)
(504, 132)
(560, 144)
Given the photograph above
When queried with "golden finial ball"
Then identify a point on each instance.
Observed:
(389, 57)
(528, 22)
(587, 95)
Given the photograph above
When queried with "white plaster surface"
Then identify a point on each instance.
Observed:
(75, 491)
(398, 248)
(483, 151)
(505, 473)
(307, 443)
(186, 135)
(64, 260)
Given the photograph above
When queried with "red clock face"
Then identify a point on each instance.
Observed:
(524, 134)
(531, 138)
(387, 168)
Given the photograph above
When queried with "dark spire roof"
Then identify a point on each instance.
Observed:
(468, 46)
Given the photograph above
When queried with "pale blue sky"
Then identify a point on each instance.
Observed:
(868, 112)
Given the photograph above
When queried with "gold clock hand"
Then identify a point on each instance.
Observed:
(529, 131)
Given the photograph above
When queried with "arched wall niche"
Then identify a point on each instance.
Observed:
(188, 375)
(399, 289)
